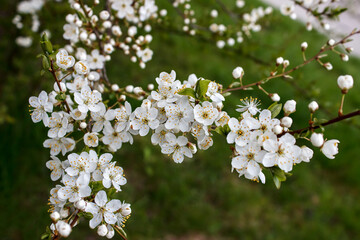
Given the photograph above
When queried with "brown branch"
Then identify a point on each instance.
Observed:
(96, 31)
(53, 72)
(316, 57)
(332, 121)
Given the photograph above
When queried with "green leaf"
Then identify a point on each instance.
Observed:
(201, 88)
(275, 109)
(96, 186)
(86, 215)
(224, 131)
(277, 182)
(187, 92)
(46, 44)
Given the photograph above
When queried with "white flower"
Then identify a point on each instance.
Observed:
(290, 107)
(56, 167)
(145, 55)
(145, 119)
(205, 114)
(249, 105)
(102, 118)
(88, 100)
(205, 143)
(305, 155)
(191, 81)
(317, 139)
(59, 125)
(213, 92)
(71, 32)
(248, 159)
(91, 139)
(78, 83)
(176, 147)
(123, 7)
(113, 175)
(123, 117)
(41, 105)
(222, 119)
(282, 152)
(287, 9)
(158, 136)
(101, 164)
(179, 115)
(166, 93)
(59, 144)
(102, 209)
(238, 72)
(82, 68)
(345, 82)
(83, 163)
(75, 189)
(64, 60)
(166, 78)
(240, 132)
(114, 138)
(63, 228)
(95, 60)
(330, 148)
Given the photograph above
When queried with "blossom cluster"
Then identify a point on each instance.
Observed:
(181, 117)
(318, 11)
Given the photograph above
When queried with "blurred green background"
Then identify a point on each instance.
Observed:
(200, 198)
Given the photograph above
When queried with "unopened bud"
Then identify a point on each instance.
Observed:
(55, 216)
(317, 139)
(238, 72)
(313, 106)
(345, 83)
(274, 97)
(286, 122)
(102, 230)
(290, 107)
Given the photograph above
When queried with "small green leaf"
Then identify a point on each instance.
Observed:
(187, 92)
(44, 236)
(201, 88)
(96, 186)
(275, 109)
(224, 131)
(46, 44)
(277, 182)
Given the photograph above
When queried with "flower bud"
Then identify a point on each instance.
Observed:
(278, 129)
(345, 83)
(290, 107)
(150, 87)
(104, 15)
(102, 230)
(122, 98)
(220, 44)
(64, 213)
(214, 13)
(81, 204)
(304, 46)
(129, 88)
(138, 90)
(330, 148)
(286, 122)
(313, 106)
(331, 42)
(125, 209)
(317, 139)
(279, 61)
(63, 228)
(275, 97)
(111, 233)
(344, 57)
(238, 72)
(163, 12)
(115, 87)
(286, 63)
(328, 66)
(55, 216)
